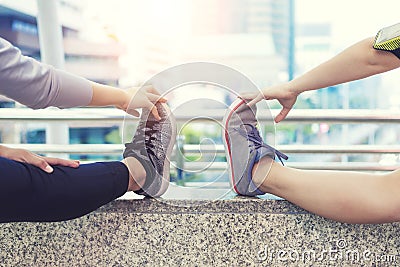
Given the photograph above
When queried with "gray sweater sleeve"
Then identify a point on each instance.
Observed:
(38, 85)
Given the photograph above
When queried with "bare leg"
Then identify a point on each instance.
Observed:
(352, 197)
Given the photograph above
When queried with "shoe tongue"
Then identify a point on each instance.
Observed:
(264, 152)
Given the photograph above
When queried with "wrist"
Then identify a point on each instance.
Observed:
(293, 88)
(121, 99)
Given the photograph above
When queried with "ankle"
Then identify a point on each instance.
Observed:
(261, 170)
(275, 181)
(137, 174)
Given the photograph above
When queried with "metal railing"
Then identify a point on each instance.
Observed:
(106, 116)
(114, 115)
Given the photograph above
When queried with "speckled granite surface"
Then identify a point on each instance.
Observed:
(229, 232)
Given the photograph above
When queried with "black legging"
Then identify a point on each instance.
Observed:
(27, 193)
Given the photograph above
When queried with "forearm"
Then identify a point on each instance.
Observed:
(356, 62)
(104, 95)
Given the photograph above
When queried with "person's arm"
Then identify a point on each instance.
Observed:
(128, 100)
(358, 61)
(39, 85)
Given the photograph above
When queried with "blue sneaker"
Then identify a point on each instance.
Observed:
(152, 146)
(244, 147)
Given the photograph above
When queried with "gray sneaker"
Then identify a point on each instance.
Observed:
(244, 147)
(152, 146)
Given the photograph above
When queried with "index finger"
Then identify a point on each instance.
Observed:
(282, 115)
(151, 89)
(62, 162)
(155, 98)
(153, 109)
(257, 99)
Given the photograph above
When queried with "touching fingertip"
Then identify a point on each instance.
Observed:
(48, 169)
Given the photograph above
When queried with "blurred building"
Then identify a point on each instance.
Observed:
(313, 46)
(97, 61)
(248, 35)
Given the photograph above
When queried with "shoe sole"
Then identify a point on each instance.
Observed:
(236, 104)
(166, 172)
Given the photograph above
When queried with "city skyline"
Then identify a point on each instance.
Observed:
(134, 21)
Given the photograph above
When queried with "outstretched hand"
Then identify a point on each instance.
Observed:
(41, 162)
(279, 92)
(142, 97)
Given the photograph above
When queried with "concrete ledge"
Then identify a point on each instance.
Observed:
(235, 231)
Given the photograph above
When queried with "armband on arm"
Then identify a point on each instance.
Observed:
(388, 39)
